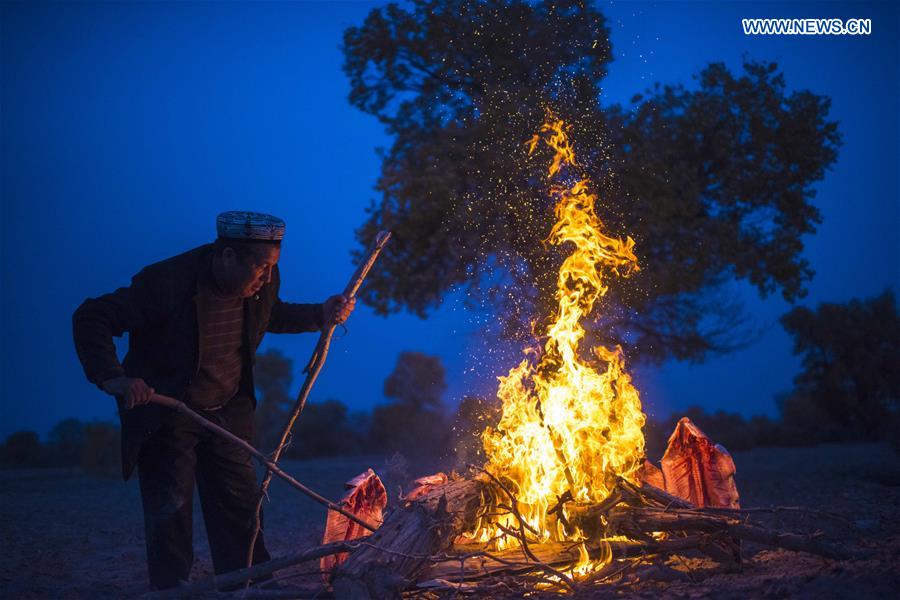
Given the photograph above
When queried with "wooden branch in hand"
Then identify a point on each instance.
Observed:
(182, 408)
(312, 372)
(349, 292)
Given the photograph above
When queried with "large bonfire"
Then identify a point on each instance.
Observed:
(570, 424)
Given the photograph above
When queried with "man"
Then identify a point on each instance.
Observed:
(194, 323)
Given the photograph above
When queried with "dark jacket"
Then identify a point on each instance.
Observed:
(162, 314)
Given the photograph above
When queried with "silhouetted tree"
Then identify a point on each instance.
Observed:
(101, 449)
(66, 443)
(272, 376)
(804, 421)
(764, 431)
(414, 423)
(417, 380)
(417, 434)
(712, 183)
(23, 449)
(324, 430)
(850, 383)
(730, 430)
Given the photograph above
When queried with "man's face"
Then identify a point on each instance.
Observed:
(245, 276)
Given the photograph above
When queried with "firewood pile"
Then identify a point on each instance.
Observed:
(423, 547)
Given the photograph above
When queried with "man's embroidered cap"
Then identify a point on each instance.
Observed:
(249, 226)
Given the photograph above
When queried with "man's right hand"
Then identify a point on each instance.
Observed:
(134, 391)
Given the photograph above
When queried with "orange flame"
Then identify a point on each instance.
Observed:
(569, 424)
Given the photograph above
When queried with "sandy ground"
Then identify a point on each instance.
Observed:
(68, 535)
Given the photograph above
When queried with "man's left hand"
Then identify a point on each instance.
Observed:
(338, 309)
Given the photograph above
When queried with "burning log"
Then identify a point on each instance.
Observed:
(411, 535)
(425, 485)
(475, 562)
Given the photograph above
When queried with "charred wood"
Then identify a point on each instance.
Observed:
(395, 555)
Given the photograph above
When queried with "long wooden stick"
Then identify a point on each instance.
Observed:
(312, 372)
(182, 408)
(233, 578)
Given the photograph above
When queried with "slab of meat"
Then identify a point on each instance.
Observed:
(697, 470)
(650, 473)
(423, 485)
(365, 498)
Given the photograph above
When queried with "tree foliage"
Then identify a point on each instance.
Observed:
(23, 449)
(272, 376)
(101, 454)
(323, 428)
(66, 443)
(849, 383)
(418, 380)
(93, 446)
(713, 182)
(414, 423)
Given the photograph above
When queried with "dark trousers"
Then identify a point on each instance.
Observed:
(176, 455)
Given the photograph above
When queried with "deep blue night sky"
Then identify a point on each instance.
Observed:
(127, 127)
